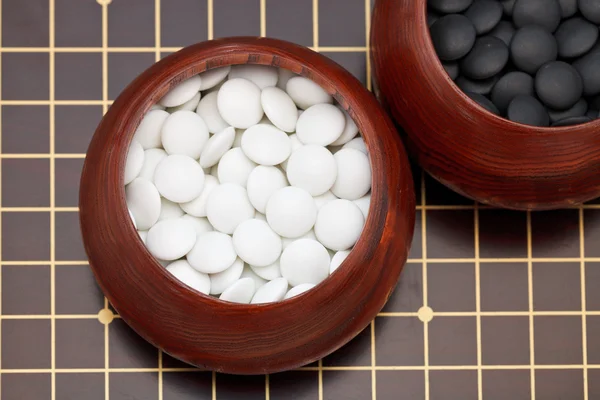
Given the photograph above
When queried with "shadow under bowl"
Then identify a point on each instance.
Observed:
(237, 338)
(470, 150)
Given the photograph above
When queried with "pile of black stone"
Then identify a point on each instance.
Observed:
(535, 62)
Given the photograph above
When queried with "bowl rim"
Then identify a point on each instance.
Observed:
(429, 48)
(108, 149)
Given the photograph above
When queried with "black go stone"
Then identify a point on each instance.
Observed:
(588, 68)
(578, 110)
(484, 14)
(568, 8)
(590, 9)
(452, 69)
(432, 16)
(508, 6)
(487, 58)
(510, 86)
(531, 47)
(572, 121)
(558, 85)
(453, 36)
(575, 37)
(483, 86)
(449, 6)
(483, 102)
(528, 110)
(504, 31)
(546, 13)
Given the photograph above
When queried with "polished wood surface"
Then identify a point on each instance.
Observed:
(226, 337)
(473, 152)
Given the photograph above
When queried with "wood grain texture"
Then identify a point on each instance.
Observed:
(473, 152)
(227, 337)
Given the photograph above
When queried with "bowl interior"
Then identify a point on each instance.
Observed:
(451, 85)
(217, 62)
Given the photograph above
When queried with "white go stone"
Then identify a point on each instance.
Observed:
(152, 157)
(200, 224)
(179, 178)
(148, 131)
(181, 93)
(357, 144)
(208, 110)
(269, 272)
(255, 242)
(235, 167)
(306, 93)
(156, 107)
(143, 200)
(308, 235)
(213, 77)
(296, 144)
(182, 270)
(184, 133)
(291, 212)
(262, 76)
(249, 273)
(350, 129)
(238, 102)
(222, 280)
(354, 174)
(271, 292)
(228, 206)
(216, 146)
(305, 261)
(339, 224)
(297, 290)
(212, 253)
(364, 203)
(337, 260)
(325, 198)
(143, 236)
(214, 171)
(132, 218)
(313, 169)
(280, 108)
(171, 239)
(241, 291)
(284, 76)
(189, 105)
(169, 210)
(263, 181)
(266, 145)
(134, 161)
(197, 207)
(320, 124)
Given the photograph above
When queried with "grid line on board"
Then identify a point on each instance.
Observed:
(51, 108)
(368, 368)
(104, 9)
(1, 92)
(583, 304)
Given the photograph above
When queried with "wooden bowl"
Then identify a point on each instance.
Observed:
(472, 151)
(228, 337)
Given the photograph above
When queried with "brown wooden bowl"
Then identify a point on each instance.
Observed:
(228, 337)
(472, 151)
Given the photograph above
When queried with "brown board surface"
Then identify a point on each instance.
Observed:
(492, 304)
